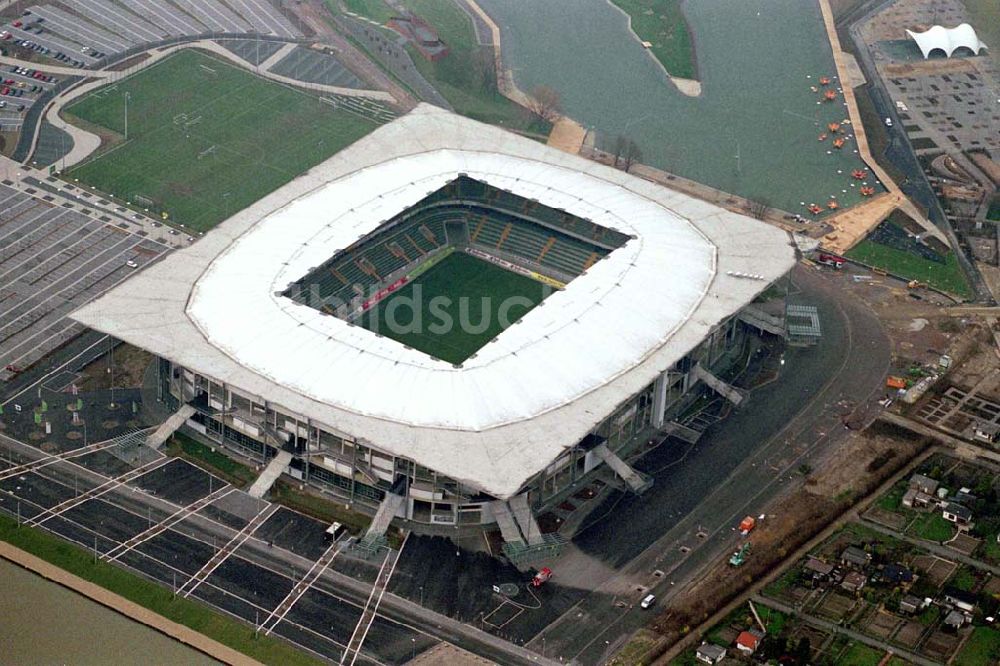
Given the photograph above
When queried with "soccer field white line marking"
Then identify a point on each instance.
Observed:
(94, 493)
(223, 554)
(381, 585)
(167, 523)
(301, 587)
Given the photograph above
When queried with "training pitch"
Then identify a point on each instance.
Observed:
(205, 138)
(455, 308)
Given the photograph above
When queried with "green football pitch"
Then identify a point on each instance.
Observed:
(205, 138)
(455, 308)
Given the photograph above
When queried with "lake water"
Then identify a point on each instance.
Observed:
(44, 623)
(754, 131)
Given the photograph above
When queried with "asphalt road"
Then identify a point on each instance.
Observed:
(253, 581)
(748, 460)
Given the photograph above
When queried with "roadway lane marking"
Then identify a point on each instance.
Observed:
(222, 555)
(380, 586)
(94, 493)
(169, 522)
(301, 587)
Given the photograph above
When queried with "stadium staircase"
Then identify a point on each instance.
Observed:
(763, 321)
(374, 541)
(636, 481)
(274, 469)
(505, 519)
(682, 432)
(730, 393)
(525, 519)
(170, 426)
(387, 510)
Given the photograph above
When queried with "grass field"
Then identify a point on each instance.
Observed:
(860, 654)
(982, 648)
(455, 308)
(205, 138)
(947, 276)
(932, 526)
(662, 23)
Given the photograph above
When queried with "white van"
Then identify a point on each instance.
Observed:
(648, 601)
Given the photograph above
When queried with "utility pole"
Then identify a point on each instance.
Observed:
(127, 95)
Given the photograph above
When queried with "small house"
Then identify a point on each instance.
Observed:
(911, 604)
(924, 484)
(855, 557)
(954, 620)
(986, 432)
(710, 653)
(914, 499)
(748, 642)
(853, 582)
(896, 574)
(818, 569)
(958, 514)
(960, 599)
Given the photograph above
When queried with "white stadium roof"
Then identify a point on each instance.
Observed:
(947, 39)
(540, 387)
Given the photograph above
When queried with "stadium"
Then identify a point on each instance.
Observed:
(450, 324)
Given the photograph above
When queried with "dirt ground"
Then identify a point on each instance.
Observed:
(130, 364)
(854, 468)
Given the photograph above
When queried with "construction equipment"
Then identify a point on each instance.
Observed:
(739, 557)
(747, 525)
(916, 284)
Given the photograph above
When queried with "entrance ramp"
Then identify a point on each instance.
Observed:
(170, 426)
(763, 321)
(383, 517)
(730, 393)
(635, 480)
(274, 469)
(505, 519)
(525, 519)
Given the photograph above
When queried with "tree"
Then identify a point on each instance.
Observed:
(632, 153)
(485, 64)
(618, 148)
(545, 103)
(803, 651)
(758, 209)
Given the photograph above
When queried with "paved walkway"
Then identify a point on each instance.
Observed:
(866, 219)
(122, 605)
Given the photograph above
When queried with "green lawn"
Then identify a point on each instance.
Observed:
(947, 276)
(860, 654)
(218, 463)
(982, 648)
(205, 138)
(461, 77)
(155, 597)
(662, 23)
(932, 526)
(376, 10)
(455, 308)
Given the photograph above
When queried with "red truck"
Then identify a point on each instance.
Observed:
(831, 260)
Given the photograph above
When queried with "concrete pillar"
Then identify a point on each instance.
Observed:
(660, 398)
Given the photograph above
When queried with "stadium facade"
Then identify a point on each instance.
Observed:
(259, 326)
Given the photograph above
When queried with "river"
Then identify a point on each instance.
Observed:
(44, 623)
(754, 130)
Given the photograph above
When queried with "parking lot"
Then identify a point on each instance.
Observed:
(304, 64)
(52, 261)
(256, 572)
(100, 29)
(20, 87)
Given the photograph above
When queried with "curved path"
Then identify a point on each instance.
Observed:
(786, 423)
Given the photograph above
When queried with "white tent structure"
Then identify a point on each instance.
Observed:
(947, 40)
